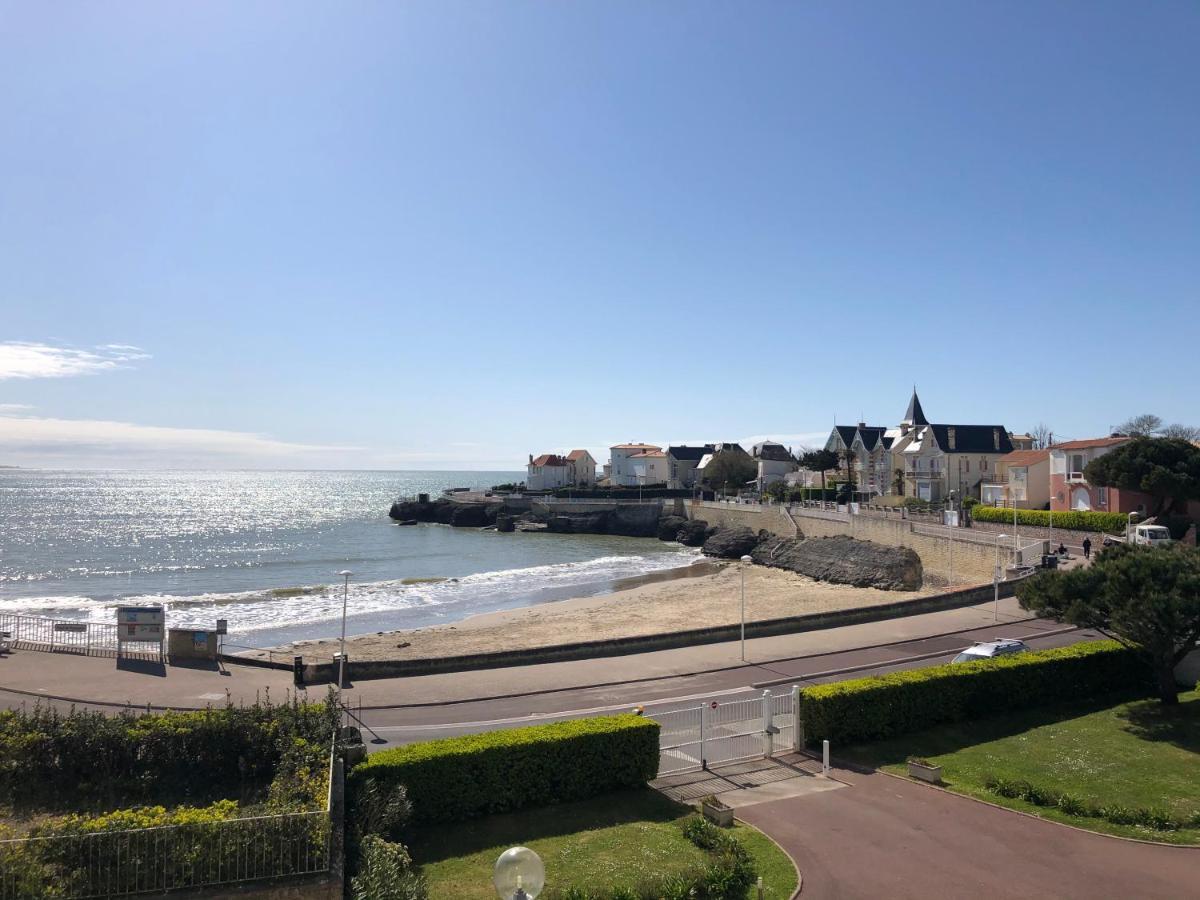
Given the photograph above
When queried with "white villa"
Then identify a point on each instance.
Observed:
(631, 465)
(775, 462)
(551, 470)
(583, 468)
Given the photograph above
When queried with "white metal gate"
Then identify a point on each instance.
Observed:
(698, 737)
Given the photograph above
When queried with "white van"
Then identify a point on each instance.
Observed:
(1151, 535)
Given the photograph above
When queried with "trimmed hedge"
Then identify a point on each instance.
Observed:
(459, 778)
(83, 759)
(882, 706)
(1075, 520)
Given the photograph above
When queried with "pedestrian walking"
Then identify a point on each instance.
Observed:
(1087, 548)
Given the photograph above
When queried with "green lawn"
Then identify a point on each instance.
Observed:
(1137, 754)
(608, 842)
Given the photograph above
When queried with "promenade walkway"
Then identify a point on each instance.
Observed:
(29, 674)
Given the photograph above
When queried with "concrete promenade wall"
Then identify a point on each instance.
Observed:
(394, 668)
(971, 562)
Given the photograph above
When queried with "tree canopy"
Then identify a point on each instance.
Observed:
(1150, 425)
(1165, 468)
(819, 461)
(730, 468)
(1148, 598)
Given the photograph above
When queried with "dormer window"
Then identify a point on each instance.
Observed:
(950, 437)
(996, 438)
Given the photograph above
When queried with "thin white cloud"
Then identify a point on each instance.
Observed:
(20, 359)
(50, 442)
(11, 408)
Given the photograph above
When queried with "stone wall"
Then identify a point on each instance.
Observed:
(972, 563)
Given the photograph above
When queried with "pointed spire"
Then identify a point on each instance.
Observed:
(915, 415)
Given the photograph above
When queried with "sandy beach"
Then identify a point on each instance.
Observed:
(686, 600)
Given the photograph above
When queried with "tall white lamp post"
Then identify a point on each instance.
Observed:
(345, 574)
(746, 560)
(996, 579)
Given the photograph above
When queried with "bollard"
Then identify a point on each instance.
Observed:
(760, 888)
(298, 671)
(824, 757)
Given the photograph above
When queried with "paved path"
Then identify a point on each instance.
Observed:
(886, 837)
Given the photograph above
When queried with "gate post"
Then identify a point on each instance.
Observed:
(703, 758)
(769, 729)
(797, 722)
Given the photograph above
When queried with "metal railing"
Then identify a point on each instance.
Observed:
(151, 860)
(66, 636)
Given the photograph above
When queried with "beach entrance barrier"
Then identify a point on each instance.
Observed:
(712, 733)
(72, 636)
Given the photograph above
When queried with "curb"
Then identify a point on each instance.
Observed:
(783, 850)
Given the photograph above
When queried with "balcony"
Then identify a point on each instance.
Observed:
(1076, 478)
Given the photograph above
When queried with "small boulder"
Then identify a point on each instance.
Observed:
(669, 526)
(731, 543)
(693, 533)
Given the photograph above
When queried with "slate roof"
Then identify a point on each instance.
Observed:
(683, 451)
(772, 450)
(972, 438)
(915, 415)
(871, 435)
(846, 433)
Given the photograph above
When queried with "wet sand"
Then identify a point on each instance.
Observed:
(697, 596)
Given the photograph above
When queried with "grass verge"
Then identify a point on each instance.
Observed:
(1132, 754)
(602, 843)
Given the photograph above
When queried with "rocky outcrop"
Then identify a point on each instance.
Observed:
(447, 512)
(668, 527)
(694, 532)
(505, 523)
(732, 543)
(843, 560)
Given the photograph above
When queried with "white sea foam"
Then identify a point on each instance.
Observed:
(455, 598)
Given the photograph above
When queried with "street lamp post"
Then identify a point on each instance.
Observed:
(345, 574)
(996, 579)
(746, 560)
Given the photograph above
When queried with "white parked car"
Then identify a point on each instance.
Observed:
(991, 649)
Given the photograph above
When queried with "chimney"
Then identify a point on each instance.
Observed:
(531, 459)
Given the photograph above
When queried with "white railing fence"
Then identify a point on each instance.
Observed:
(68, 636)
(699, 737)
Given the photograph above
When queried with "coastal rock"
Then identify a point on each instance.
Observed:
(731, 543)
(843, 560)
(505, 523)
(693, 533)
(639, 520)
(669, 526)
(579, 523)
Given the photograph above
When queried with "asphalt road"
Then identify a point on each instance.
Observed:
(402, 725)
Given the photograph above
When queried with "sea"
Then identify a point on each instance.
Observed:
(262, 550)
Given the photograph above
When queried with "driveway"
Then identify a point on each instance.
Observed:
(884, 837)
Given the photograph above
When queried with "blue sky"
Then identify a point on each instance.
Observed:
(449, 234)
